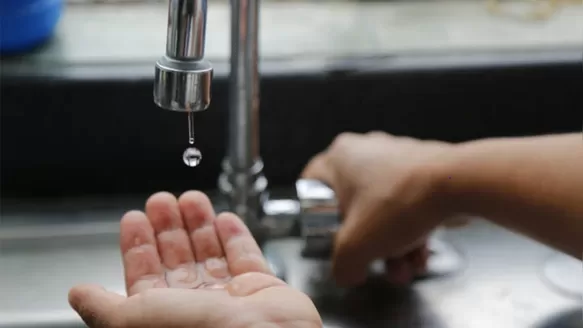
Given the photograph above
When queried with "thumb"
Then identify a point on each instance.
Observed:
(97, 307)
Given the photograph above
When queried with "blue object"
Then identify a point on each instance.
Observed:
(24, 24)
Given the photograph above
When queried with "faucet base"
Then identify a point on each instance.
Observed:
(246, 193)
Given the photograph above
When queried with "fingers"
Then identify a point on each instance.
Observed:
(418, 259)
(97, 307)
(349, 261)
(403, 270)
(318, 168)
(355, 249)
(142, 266)
(356, 243)
(241, 250)
(399, 271)
(171, 237)
(198, 214)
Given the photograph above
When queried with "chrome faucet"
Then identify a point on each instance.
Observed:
(183, 83)
(183, 77)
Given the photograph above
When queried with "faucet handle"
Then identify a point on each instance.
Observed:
(319, 217)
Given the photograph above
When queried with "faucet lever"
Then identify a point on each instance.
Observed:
(319, 219)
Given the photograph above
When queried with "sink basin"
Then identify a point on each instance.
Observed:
(500, 285)
(567, 319)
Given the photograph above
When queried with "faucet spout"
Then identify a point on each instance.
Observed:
(182, 79)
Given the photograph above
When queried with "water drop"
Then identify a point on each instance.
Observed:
(192, 156)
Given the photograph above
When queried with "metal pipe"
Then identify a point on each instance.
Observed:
(243, 141)
(242, 180)
(182, 83)
(186, 29)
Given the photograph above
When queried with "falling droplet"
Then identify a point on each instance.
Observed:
(192, 156)
(190, 128)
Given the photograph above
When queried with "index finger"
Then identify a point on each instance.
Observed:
(320, 168)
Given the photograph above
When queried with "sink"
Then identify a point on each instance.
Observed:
(500, 285)
(38, 273)
(568, 319)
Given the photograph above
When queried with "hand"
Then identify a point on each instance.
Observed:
(186, 267)
(386, 194)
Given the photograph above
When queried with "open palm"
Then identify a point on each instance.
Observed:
(186, 267)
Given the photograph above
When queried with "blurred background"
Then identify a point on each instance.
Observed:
(76, 103)
(134, 30)
(78, 117)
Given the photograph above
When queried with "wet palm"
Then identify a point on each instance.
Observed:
(186, 267)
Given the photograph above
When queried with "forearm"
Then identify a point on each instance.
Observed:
(532, 185)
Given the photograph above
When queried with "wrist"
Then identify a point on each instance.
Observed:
(466, 177)
(424, 191)
(446, 187)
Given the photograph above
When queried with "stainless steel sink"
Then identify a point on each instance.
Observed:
(500, 285)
